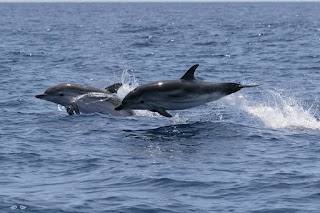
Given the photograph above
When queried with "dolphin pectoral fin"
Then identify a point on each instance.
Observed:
(119, 107)
(72, 109)
(161, 111)
(189, 75)
(69, 110)
(113, 88)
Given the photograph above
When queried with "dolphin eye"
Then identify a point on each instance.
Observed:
(61, 94)
(142, 101)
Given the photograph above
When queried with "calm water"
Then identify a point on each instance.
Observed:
(255, 151)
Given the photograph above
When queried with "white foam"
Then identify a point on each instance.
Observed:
(279, 112)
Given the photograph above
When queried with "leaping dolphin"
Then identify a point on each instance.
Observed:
(179, 94)
(78, 99)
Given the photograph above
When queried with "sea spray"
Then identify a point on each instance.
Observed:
(278, 111)
(129, 82)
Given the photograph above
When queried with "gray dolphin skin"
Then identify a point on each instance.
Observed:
(78, 99)
(179, 94)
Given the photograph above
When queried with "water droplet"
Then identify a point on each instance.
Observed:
(22, 207)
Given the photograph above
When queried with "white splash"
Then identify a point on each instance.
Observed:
(279, 112)
(129, 83)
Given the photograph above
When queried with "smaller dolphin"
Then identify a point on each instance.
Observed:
(78, 99)
(179, 94)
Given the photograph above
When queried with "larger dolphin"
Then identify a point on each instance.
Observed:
(179, 94)
(78, 99)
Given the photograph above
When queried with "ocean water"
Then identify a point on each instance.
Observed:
(254, 151)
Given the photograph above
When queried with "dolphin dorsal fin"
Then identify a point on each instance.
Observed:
(189, 75)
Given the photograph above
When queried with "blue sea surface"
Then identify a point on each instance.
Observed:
(254, 151)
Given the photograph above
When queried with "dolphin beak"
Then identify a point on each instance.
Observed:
(41, 96)
(245, 86)
(120, 107)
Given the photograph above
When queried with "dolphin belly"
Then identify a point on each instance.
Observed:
(100, 103)
(103, 107)
(186, 100)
